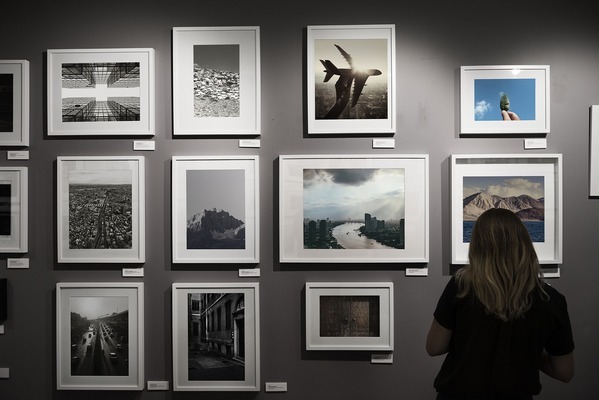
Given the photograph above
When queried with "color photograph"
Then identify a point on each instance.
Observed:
(354, 208)
(504, 99)
(350, 316)
(351, 78)
(524, 195)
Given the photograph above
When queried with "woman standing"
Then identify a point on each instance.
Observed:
(498, 321)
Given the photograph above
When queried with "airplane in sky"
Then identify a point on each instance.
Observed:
(343, 86)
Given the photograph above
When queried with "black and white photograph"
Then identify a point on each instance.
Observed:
(6, 102)
(351, 79)
(13, 209)
(100, 209)
(215, 212)
(353, 208)
(216, 336)
(529, 185)
(101, 92)
(216, 341)
(349, 316)
(215, 209)
(14, 103)
(99, 336)
(216, 80)
(5, 208)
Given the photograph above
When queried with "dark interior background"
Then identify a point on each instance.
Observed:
(433, 39)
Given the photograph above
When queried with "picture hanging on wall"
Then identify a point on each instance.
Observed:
(216, 337)
(13, 209)
(529, 185)
(14, 103)
(215, 201)
(504, 99)
(101, 92)
(594, 151)
(353, 208)
(351, 79)
(216, 80)
(349, 316)
(99, 336)
(101, 208)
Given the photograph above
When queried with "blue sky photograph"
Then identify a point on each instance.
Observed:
(487, 93)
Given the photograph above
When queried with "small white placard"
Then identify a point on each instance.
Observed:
(133, 272)
(275, 387)
(157, 385)
(383, 143)
(249, 143)
(381, 358)
(17, 263)
(249, 272)
(144, 145)
(535, 143)
(17, 155)
(4, 373)
(416, 271)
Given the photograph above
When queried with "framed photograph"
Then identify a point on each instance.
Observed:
(351, 79)
(101, 208)
(216, 337)
(101, 92)
(100, 336)
(349, 316)
(594, 151)
(215, 209)
(353, 208)
(529, 185)
(504, 99)
(14, 103)
(216, 80)
(13, 209)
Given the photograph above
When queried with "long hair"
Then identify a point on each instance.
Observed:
(503, 270)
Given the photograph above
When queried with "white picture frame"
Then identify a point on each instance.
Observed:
(99, 336)
(113, 190)
(230, 108)
(526, 88)
(14, 103)
(14, 206)
(536, 176)
(390, 191)
(222, 318)
(221, 189)
(349, 316)
(334, 104)
(86, 100)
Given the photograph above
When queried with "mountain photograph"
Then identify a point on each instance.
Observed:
(522, 195)
(212, 229)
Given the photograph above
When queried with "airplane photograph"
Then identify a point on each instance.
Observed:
(351, 97)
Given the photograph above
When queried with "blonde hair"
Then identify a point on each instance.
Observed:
(503, 269)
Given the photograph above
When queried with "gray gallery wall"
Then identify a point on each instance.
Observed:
(433, 39)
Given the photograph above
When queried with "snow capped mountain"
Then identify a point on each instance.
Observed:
(215, 229)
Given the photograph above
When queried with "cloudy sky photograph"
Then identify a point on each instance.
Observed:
(341, 194)
(505, 186)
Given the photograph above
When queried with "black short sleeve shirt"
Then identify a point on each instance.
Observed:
(490, 357)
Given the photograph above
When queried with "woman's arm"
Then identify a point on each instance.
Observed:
(558, 367)
(437, 341)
